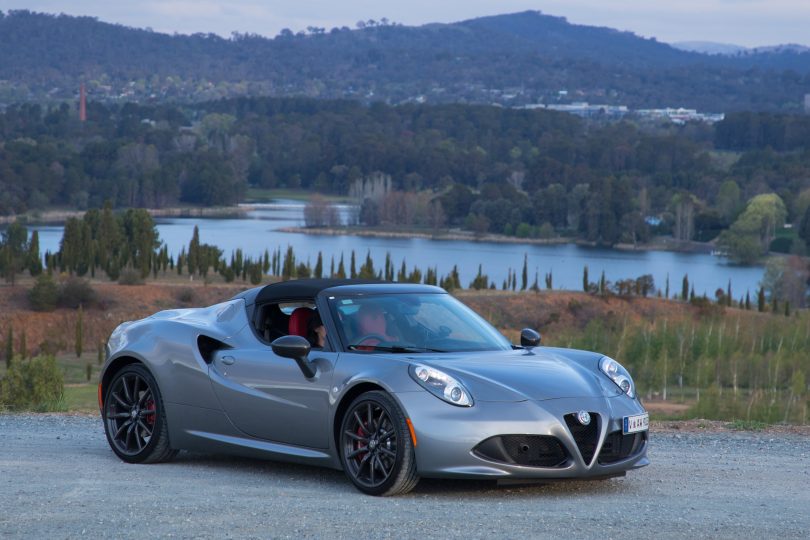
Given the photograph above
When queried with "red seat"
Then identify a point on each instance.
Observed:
(299, 321)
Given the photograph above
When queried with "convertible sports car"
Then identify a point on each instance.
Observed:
(389, 382)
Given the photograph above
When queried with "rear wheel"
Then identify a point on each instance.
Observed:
(134, 417)
(376, 447)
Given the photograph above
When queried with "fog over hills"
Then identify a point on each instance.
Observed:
(512, 59)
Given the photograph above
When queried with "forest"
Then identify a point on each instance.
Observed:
(512, 59)
(527, 173)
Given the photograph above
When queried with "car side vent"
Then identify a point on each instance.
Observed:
(208, 346)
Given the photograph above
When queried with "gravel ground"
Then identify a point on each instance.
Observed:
(59, 479)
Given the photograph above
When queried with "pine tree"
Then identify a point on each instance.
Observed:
(79, 345)
(585, 283)
(524, 276)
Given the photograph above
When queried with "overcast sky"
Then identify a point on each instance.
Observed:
(742, 22)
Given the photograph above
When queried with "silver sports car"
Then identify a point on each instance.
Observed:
(389, 382)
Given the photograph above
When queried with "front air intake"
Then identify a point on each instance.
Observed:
(524, 450)
(586, 436)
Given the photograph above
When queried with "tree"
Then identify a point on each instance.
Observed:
(749, 237)
(685, 288)
(804, 227)
(14, 254)
(524, 276)
(79, 343)
(9, 349)
(44, 295)
(585, 283)
(34, 257)
(761, 300)
(318, 273)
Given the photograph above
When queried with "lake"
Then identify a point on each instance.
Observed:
(258, 230)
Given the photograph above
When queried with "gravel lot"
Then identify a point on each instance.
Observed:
(59, 479)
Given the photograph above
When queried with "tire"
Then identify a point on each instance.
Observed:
(375, 448)
(135, 418)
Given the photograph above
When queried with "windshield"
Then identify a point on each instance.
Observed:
(405, 323)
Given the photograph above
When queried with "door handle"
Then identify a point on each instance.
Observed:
(228, 360)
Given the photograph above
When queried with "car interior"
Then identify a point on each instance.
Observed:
(274, 320)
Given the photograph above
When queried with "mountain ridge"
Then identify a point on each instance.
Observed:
(528, 55)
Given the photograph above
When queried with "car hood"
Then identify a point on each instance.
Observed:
(518, 375)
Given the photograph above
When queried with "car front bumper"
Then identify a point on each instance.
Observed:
(447, 435)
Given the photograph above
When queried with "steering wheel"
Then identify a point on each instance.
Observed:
(378, 338)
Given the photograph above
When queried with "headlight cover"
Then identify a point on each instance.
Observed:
(441, 385)
(616, 373)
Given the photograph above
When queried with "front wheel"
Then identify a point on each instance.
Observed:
(134, 418)
(376, 447)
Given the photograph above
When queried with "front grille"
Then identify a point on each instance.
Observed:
(586, 437)
(526, 450)
(618, 446)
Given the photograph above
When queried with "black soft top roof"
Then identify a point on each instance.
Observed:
(309, 288)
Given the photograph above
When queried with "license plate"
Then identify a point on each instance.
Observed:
(634, 424)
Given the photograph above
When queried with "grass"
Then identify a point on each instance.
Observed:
(746, 425)
(81, 398)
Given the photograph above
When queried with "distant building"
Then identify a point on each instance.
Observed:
(807, 103)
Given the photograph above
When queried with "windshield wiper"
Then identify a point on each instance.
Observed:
(392, 348)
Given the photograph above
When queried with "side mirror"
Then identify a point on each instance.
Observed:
(529, 338)
(296, 348)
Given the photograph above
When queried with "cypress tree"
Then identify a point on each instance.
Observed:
(332, 267)
(266, 261)
(79, 345)
(524, 276)
(666, 292)
(341, 271)
(194, 251)
(34, 258)
(549, 281)
(685, 288)
(761, 300)
(403, 272)
(728, 294)
(602, 284)
(585, 283)
(787, 308)
(319, 266)
(9, 346)
(353, 267)
(774, 304)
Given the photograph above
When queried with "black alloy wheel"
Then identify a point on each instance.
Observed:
(134, 419)
(376, 447)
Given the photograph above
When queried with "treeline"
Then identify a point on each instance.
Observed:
(486, 169)
(505, 59)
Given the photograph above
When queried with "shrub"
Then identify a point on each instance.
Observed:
(184, 295)
(34, 384)
(75, 292)
(130, 276)
(44, 295)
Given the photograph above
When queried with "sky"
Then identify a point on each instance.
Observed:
(749, 23)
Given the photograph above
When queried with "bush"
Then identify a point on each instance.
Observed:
(44, 295)
(130, 276)
(34, 384)
(184, 295)
(76, 292)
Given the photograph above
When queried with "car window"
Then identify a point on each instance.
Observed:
(413, 323)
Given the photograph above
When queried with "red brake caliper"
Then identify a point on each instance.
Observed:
(359, 444)
(150, 418)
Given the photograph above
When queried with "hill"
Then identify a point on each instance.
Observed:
(512, 59)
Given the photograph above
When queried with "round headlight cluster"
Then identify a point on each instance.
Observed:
(441, 385)
(616, 372)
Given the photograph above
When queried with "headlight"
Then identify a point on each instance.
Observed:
(618, 375)
(441, 385)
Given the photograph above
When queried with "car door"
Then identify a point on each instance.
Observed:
(267, 396)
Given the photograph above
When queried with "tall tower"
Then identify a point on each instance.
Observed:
(82, 104)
